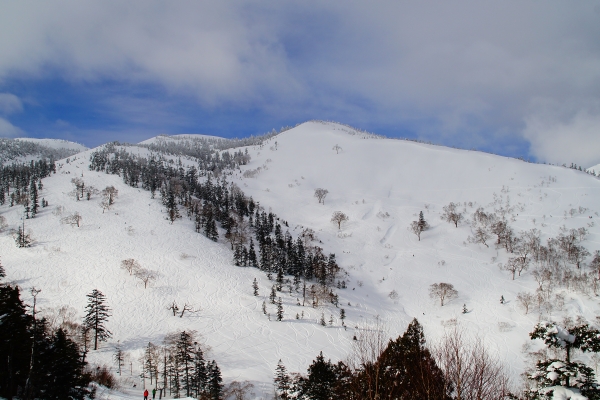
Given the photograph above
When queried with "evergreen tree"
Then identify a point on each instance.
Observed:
(15, 341)
(22, 239)
(279, 309)
(566, 373)
(343, 317)
(184, 352)
(254, 284)
(33, 193)
(282, 382)
(321, 381)
(171, 204)
(423, 225)
(97, 313)
(273, 295)
(64, 362)
(2, 271)
(264, 307)
(404, 370)
(322, 320)
(215, 381)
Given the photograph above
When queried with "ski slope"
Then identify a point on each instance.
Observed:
(381, 184)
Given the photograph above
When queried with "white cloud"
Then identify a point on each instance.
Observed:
(457, 69)
(9, 103)
(565, 140)
(9, 130)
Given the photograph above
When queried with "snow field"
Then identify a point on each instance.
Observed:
(381, 184)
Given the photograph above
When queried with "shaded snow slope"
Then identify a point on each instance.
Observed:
(381, 184)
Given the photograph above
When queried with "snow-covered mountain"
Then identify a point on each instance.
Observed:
(27, 149)
(380, 184)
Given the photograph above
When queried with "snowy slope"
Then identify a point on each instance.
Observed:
(56, 144)
(371, 178)
(28, 149)
(381, 184)
(595, 169)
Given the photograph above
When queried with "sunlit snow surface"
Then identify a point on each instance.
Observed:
(381, 184)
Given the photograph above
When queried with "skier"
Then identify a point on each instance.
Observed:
(146, 394)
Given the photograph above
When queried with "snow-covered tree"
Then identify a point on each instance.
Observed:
(552, 374)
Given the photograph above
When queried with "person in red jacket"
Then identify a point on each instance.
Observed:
(146, 394)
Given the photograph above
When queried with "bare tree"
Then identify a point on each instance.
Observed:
(130, 265)
(481, 236)
(146, 276)
(110, 194)
(442, 291)
(238, 390)
(90, 191)
(371, 339)
(339, 217)
(73, 219)
(513, 265)
(173, 307)
(469, 368)
(416, 228)
(79, 187)
(451, 214)
(525, 300)
(320, 194)
(337, 149)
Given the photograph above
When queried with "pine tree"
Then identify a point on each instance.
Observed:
(282, 382)
(2, 271)
(97, 313)
(279, 309)
(252, 261)
(22, 239)
(215, 381)
(322, 320)
(264, 307)
(254, 286)
(273, 295)
(184, 351)
(464, 310)
(171, 204)
(422, 223)
(33, 193)
(119, 358)
(321, 379)
(343, 317)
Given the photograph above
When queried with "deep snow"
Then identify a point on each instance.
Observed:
(381, 184)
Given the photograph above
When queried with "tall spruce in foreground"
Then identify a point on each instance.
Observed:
(97, 313)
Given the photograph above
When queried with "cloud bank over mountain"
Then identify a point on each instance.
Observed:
(464, 73)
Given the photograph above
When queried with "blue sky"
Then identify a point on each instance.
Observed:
(514, 78)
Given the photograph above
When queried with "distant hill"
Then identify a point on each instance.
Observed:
(27, 149)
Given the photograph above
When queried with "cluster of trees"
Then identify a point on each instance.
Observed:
(19, 184)
(179, 366)
(37, 360)
(405, 368)
(257, 238)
